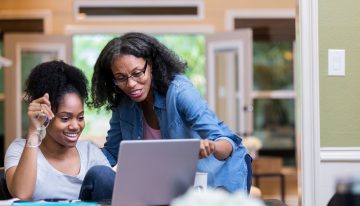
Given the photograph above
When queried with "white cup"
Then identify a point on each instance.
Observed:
(200, 182)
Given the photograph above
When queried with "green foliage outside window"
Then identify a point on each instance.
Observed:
(273, 65)
(274, 119)
(190, 48)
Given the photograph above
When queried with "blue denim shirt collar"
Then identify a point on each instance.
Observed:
(159, 100)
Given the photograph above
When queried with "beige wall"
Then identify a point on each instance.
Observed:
(214, 10)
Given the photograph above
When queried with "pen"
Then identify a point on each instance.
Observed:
(59, 200)
(56, 200)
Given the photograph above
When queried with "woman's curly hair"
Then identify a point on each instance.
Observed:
(165, 65)
(57, 79)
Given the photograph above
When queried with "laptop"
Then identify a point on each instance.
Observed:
(153, 172)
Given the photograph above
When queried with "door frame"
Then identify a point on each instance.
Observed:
(308, 110)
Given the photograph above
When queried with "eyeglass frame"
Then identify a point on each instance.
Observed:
(117, 82)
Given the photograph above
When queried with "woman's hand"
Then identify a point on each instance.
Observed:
(38, 111)
(221, 149)
(207, 147)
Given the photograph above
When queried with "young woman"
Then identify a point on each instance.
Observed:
(50, 162)
(142, 81)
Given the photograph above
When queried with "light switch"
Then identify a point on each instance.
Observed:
(336, 62)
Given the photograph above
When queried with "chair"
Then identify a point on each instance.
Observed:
(4, 192)
(274, 202)
(267, 167)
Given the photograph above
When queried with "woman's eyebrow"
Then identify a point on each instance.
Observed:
(125, 74)
(69, 113)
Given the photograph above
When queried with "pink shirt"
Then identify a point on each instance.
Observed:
(150, 133)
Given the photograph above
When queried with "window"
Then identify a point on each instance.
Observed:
(273, 84)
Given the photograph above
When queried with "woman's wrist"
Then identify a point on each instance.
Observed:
(32, 142)
(33, 139)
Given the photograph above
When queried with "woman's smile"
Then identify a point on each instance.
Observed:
(134, 94)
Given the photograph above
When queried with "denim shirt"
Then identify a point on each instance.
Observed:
(182, 113)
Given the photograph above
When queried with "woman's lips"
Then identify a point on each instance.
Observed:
(136, 93)
(72, 136)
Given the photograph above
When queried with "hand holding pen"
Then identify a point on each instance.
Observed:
(40, 115)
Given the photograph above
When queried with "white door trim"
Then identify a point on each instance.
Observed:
(340, 154)
(308, 103)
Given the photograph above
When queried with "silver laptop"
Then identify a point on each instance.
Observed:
(153, 172)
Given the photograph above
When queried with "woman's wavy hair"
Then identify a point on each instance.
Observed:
(165, 65)
(57, 79)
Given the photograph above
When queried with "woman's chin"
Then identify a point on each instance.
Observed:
(137, 98)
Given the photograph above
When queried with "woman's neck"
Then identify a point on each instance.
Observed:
(149, 111)
(53, 150)
(64, 159)
(148, 103)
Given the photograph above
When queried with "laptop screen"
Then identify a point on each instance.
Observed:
(153, 172)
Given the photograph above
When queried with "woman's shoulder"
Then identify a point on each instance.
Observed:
(18, 142)
(13, 153)
(180, 81)
(86, 144)
(16, 147)
(87, 148)
(182, 92)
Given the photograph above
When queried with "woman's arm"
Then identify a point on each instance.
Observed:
(21, 179)
(217, 138)
(113, 139)
(221, 149)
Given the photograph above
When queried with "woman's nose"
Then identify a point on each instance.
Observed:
(131, 82)
(74, 125)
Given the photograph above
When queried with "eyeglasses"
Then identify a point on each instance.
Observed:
(136, 75)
